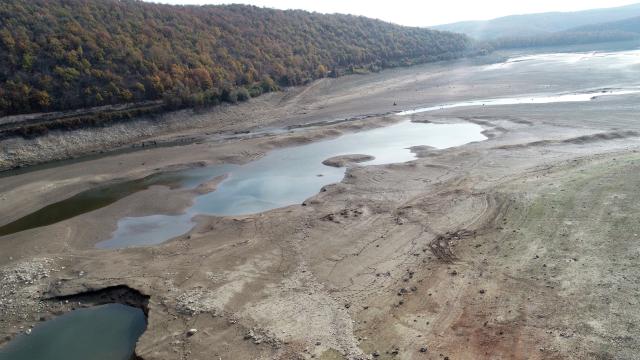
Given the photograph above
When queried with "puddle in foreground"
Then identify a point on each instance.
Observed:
(107, 332)
(288, 176)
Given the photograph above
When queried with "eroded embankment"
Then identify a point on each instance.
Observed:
(90, 296)
(35, 292)
(102, 323)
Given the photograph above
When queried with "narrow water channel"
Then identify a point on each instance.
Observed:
(532, 99)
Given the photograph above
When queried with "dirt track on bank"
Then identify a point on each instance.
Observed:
(523, 246)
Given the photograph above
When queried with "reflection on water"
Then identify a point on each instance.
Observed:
(100, 197)
(289, 176)
(107, 332)
(141, 231)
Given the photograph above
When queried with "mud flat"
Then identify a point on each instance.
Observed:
(344, 160)
(520, 246)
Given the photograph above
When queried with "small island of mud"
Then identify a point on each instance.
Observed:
(345, 160)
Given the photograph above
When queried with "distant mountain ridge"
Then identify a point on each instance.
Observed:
(631, 25)
(540, 24)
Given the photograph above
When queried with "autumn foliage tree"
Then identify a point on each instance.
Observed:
(67, 54)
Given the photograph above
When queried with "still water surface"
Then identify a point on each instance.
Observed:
(107, 332)
(288, 176)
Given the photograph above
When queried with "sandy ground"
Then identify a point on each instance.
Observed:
(524, 246)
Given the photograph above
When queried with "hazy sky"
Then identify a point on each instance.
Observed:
(424, 13)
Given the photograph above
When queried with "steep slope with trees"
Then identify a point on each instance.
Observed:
(70, 54)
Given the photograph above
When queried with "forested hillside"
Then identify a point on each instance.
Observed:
(68, 54)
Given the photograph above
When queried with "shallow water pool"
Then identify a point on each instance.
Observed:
(107, 332)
